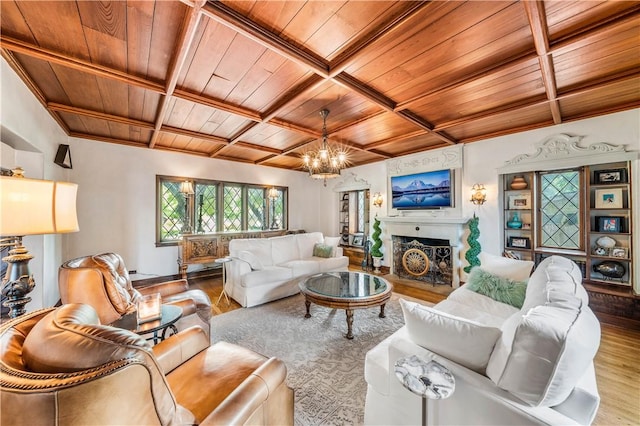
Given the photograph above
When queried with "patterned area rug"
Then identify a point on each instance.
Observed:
(325, 369)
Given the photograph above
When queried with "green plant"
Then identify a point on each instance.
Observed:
(377, 242)
(474, 246)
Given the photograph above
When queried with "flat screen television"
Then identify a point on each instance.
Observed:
(427, 190)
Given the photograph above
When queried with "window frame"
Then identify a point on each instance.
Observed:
(191, 206)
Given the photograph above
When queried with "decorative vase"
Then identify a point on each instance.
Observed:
(518, 182)
(515, 222)
(610, 269)
(377, 261)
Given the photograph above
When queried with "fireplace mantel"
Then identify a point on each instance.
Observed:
(429, 220)
(450, 228)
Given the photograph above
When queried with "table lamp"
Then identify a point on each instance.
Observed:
(30, 207)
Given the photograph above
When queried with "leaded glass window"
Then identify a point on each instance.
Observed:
(256, 209)
(171, 210)
(361, 211)
(560, 209)
(206, 211)
(232, 208)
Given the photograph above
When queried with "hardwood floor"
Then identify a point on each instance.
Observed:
(617, 362)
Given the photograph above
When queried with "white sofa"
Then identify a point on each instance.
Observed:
(266, 269)
(512, 366)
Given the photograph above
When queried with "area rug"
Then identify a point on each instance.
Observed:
(325, 369)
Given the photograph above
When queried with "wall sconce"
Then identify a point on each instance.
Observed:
(30, 207)
(377, 199)
(186, 189)
(478, 194)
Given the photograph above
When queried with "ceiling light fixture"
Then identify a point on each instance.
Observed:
(326, 162)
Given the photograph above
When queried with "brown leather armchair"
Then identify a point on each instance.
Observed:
(60, 366)
(103, 282)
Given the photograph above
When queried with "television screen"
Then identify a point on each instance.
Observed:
(428, 190)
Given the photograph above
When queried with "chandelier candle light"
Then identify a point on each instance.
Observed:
(326, 162)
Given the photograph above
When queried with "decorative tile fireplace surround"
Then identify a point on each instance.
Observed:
(434, 235)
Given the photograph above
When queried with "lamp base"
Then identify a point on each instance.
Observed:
(18, 281)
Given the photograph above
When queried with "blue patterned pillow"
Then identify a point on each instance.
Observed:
(498, 288)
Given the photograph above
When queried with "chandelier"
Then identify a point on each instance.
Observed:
(326, 162)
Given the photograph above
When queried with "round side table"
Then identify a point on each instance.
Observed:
(222, 262)
(430, 380)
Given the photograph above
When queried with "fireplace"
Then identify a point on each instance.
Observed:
(423, 259)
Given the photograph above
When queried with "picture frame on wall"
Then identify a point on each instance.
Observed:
(519, 242)
(520, 202)
(609, 223)
(611, 176)
(609, 198)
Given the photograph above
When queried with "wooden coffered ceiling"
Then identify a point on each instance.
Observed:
(245, 80)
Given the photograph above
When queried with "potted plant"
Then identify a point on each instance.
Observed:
(376, 254)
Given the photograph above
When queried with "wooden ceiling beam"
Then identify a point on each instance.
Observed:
(365, 91)
(99, 138)
(258, 147)
(179, 55)
(77, 64)
(294, 127)
(418, 121)
(395, 139)
(218, 104)
(306, 86)
(225, 15)
(53, 106)
(358, 121)
(540, 31)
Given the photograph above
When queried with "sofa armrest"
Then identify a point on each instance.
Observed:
(175, 350)
(484, 402)
(166, 288)
(248, 398)
(338, 252)
(236, 269)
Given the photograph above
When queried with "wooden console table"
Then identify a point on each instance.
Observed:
(206, 248)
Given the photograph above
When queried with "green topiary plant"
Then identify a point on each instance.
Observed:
(377, 242)
(474, 246)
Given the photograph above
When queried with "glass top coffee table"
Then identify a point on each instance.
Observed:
(346, 290)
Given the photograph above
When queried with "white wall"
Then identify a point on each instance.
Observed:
(117, 199)
(482, 158)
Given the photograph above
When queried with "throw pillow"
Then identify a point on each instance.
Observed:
(517, 270)
(463, 341)
(322, 250)
(501, 289)
(251, 259)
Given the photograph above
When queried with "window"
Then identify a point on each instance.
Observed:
(561, 209)
(216, 207)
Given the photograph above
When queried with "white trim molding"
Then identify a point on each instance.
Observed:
(563, 151)
(351, 183)
(443, 158)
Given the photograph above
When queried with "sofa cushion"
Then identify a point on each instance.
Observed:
(252, 259)
(284, 249)
(268, 275)
(503, 290)
(261, 247)
(302, 267)
(306, 242)
(340, 263)
(322, 250)
(551, 348)
(517, 270)
(476, 307)
(334, 242)
(466, 342)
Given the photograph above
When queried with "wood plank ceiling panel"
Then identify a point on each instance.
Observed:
(492, 91)
(250, 77)
(273, 137)
(525, 118)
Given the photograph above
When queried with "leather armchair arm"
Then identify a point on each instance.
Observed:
(165, 289)
(175, 350)
(249, 397)
(188, 306)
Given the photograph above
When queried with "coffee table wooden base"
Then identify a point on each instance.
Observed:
(349, 311)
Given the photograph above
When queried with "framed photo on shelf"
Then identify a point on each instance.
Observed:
(609, 198)
(609, 223)
(600, 251)
(520, 202)
(357, 240)
(519, 242)
(610, 176)
(618, 252)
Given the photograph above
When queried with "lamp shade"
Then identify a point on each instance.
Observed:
(34, 207)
